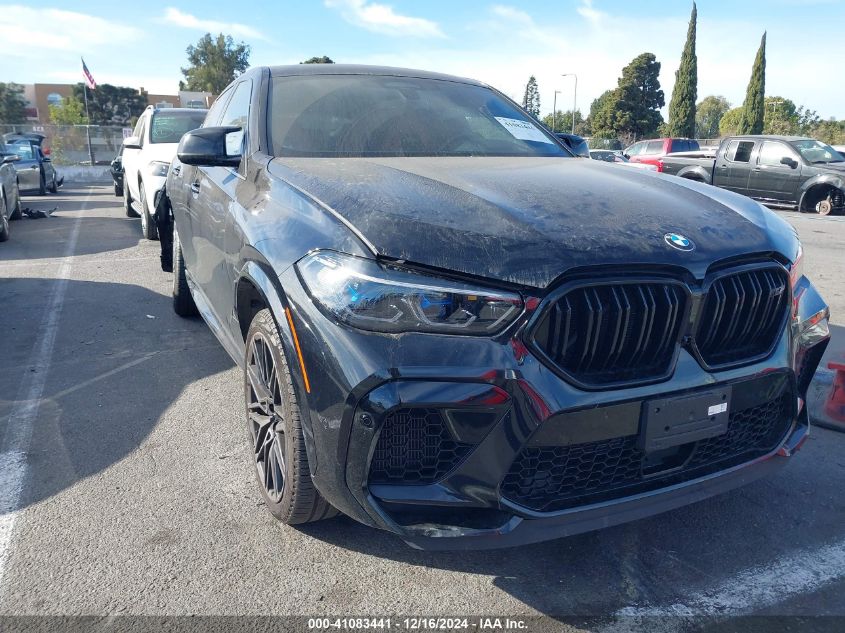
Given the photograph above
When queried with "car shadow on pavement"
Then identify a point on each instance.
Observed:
(46, 238)
(120, 359)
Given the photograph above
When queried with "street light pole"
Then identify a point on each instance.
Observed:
(554, 112)
(574, 98)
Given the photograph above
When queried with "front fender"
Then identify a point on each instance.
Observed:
(820, 179)
(257, 271)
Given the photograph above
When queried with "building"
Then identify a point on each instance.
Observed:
(40, 96)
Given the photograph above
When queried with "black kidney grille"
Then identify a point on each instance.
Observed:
(415, 447)
(613, 333)
(743, 316)
(556, 477)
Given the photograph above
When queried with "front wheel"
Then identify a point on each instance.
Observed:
(148, 227)
(275, 429)
(4, 224)
(127, 203)
(183, 302)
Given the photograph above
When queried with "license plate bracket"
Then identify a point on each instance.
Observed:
(673, 421)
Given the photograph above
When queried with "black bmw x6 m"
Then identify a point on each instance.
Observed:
(451, 329)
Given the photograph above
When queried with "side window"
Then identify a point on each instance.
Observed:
(237, 115)
(213, 116)
(654, 147)
(739, 151)
(635, 149)
(772, 153)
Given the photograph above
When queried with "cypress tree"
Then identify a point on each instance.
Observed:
(531, 100)
(754, 106)
(682, 106)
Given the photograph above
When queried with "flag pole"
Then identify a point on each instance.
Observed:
(88, 123)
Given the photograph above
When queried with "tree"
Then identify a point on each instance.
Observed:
(318, 60)
(685, 92)
(753, 108)
(111, 105)
(12, 103)
(729, 123)
(708, 114)
(531, 100)
(632, 110)
(214, 63)
(70, 112)
(563, 122)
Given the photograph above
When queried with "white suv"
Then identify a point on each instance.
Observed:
(147, 155)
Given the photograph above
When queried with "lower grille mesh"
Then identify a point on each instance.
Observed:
(415, 447)
(557, 477)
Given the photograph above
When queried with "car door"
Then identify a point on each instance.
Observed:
(212, 198)
(132, 158)
(187, 223)
(733, 166)
(770, 178)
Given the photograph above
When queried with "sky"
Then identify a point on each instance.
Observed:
(500, 42)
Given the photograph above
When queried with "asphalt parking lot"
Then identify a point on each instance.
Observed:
(126, 486)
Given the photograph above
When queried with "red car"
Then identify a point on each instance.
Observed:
(650, 152)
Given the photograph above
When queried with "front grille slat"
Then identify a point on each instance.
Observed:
(619, 332)
(549, 478)
(742, 316)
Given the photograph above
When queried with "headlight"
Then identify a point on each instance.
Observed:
(796, 271)
(159, 168)
(368, 296)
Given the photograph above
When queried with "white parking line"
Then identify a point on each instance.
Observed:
(15, 442)
(752, 589)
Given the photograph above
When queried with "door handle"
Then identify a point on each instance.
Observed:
(195, 186)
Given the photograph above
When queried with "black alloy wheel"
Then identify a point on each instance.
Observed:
(265, 412)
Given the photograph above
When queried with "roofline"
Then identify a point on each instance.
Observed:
(301, 70)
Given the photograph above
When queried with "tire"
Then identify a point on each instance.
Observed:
(274, 426)
(4, 221)
(127, 203)
(53, 186)
(148, 225)
(17, 212)
(118, 190)
(183, 302)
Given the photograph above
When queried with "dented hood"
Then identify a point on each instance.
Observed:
(528, 220)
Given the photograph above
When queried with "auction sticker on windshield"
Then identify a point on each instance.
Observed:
(523, 130)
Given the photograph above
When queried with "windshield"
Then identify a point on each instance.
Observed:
(817, 152)
(168, 127)
(366, 115)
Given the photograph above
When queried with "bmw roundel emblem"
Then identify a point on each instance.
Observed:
(678, 241)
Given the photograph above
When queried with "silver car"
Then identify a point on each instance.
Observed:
(35, 170)
(10, 197)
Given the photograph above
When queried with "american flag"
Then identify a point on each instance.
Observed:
(89, 78)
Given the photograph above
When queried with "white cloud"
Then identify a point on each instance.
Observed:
(381, 18)
(25, 33)
(593, 16)
(188, 21)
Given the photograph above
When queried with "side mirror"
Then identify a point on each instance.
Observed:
(628, 156)
(207, 147)
(10, 158)
(132, 142)
(790, 162)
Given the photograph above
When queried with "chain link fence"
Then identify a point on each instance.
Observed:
(76, 144)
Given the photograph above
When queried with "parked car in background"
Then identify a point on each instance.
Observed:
(146, 157)
(610, 156)
(576, 143)
(12, 138)
(450, 328)
(10, 197)
(840, 149)
(787, 171)
(36, 173)
(116, 170)
(651, 152)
